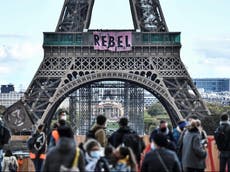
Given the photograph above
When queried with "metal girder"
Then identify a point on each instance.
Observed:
(148, 16)
(75, 16)
(70, 63)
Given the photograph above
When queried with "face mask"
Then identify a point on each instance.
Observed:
(163, 130)
(63, 117)
(152, 146)
(95, 154)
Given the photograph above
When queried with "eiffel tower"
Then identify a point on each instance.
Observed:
(72, 58)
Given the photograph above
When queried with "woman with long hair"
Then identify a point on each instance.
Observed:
(125, 160)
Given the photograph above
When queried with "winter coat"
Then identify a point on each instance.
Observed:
(169, 135)
(6, 162)
(193, 152)
(225, 153)
(100, 134)
(63, 154)
(116, 138)
(152, 163)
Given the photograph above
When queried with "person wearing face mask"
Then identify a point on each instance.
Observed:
(54, 136)
(159, 158)
(163, 129)
(93, 154)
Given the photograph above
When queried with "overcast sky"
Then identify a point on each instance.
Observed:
(204, 27)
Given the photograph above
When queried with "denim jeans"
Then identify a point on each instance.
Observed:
(37, 164)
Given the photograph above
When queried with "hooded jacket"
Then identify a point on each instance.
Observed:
(63, 154)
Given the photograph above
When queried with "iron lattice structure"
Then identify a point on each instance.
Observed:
(70, 62)
(86, 99)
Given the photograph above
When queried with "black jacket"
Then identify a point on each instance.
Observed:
(152, 163)
(63, 154)
(226, 126)
(117, 137)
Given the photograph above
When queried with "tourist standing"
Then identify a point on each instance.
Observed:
(163, 129)
(160, 159)
(222, 138)
(193, 151)
(92, 154)
(179, 129)
(64, 153)
(126, 161)
(53, 135)
(10, 163)
(98, 130)
(125, 136)
(38, 148)
(4, 139)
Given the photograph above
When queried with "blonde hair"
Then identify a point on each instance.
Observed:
(195, 123)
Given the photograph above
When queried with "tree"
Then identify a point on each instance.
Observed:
(156, 109)
(209, 123)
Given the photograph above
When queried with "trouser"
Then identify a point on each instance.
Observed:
(1, 158)
(37, 164)
(224, 161)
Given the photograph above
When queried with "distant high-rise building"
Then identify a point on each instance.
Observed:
(7, 88)
(213, 84)
(8, 96)
(7, 99)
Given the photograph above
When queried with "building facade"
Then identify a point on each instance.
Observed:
(213, 84)
(7, 99)
(9, 96)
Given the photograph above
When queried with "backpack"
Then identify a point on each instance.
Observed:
(220, 137)
(135, 142)
(91, 134)
(36, 142)
(12, 166)
(4, 135)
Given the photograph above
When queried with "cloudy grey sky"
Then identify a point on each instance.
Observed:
(204, 27)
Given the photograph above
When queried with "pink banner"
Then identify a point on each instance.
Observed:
(113, 41)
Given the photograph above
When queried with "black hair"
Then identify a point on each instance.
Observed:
(65, 131)
(124, 151)
(8, 153)
(160, 140)
(123, 121)
(62, 122)
(101, 119)
(224, 117)
(108, 150)
(163, 121)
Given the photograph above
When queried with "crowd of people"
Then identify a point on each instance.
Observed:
(168, 150)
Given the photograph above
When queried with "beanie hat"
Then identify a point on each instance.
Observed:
(182, 124)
